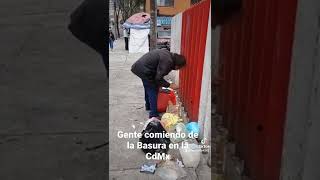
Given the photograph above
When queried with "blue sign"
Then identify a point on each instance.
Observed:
(164, 20)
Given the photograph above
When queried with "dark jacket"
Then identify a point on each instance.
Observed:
(112, 36)
(89, 24)
(153, 66)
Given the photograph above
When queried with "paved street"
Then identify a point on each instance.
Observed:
(52, 96)
(127, 114)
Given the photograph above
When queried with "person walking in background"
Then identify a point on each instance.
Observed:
(111, 40)
(151, 68)
(126, 38)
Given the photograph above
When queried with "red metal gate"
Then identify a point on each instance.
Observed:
(255, 59)
(193, 43)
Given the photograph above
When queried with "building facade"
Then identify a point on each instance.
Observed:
(169, 7)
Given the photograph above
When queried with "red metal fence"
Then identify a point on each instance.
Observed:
(255, 58)
(193, 42)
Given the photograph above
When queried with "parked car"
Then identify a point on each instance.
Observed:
(163, 38)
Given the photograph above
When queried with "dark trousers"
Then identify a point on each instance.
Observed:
(151, 97)
(126, 40)
(110, 43)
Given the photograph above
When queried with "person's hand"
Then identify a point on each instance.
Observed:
(174, 86)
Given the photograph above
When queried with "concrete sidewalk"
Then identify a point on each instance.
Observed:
(127, 114)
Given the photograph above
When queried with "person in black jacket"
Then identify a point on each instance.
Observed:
(151, 68)
(111, 40)
(89, 24)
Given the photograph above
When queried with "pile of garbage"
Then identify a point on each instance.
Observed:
(173, 121)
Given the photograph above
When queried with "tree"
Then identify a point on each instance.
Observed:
(153, 34)
(116, 16)
(129, 7)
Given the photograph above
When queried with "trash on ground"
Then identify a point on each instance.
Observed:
(148, 168)
(158, 145)
(180, 130)
(179, 163)
(190, 153)
(149, 120)
(169, 170)
(169, 121)
(133, 126)
(192, 128)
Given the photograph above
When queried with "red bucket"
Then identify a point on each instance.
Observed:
(164, 97)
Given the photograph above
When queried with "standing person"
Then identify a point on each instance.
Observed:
(151, 68)
(126, 38)
(111, 40)
(88, 23)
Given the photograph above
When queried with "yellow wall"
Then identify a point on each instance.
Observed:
(179, 6)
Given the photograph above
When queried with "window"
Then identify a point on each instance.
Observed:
(165, 2)
(164, 34)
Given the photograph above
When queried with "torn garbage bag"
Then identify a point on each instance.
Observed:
(154, 145)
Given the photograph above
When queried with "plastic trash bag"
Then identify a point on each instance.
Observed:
(170, 170)
(192, 128)
(180, 129)
(149, 120)
(148, 168)
(190, 154)
(169, 121)
(154, 126)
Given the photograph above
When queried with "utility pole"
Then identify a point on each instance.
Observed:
(153, 32)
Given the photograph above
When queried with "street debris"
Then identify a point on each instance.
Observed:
(190, 154)
(169, 170)
(148, 168)
(154, 126)
(133, 126)
(179, 163)
(169, 121)
(149, 120)
(192, 128)
(175, 121)
(181, 130)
